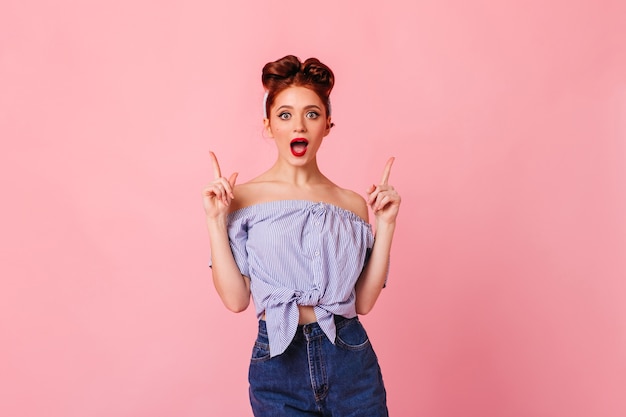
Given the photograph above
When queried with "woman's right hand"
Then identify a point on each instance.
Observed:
(218, 193)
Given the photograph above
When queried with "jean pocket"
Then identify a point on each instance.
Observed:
(352, 336)
(260, 351)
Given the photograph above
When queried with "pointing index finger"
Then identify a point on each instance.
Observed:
(216, 166)
(387, 171)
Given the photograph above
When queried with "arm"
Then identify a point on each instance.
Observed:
(385, 203)
(232, 287)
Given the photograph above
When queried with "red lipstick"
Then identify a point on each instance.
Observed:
(298, 146)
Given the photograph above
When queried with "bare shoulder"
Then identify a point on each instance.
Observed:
(353, 202)
(254, 192)
(266, 188)
(244, 195)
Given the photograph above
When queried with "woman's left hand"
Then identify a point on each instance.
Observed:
(383, 199)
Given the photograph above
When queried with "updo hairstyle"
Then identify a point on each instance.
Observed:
(289, 71)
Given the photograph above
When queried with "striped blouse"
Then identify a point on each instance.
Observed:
(298, 252)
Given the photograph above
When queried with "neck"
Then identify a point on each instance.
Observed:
(297, 175)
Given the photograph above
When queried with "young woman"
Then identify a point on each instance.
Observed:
(304, 248)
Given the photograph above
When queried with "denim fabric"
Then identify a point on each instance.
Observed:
(314, 377)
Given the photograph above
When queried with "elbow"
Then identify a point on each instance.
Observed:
(237, 306)
(237, 309)
(365, 301)
(362, 308)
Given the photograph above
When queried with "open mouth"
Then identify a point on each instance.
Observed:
(298, 146)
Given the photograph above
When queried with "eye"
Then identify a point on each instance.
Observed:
(312, 115)
(285, 115)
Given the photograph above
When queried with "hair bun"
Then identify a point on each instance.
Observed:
(318, 73)
(279, 71)
(289, 71)
(287, 68)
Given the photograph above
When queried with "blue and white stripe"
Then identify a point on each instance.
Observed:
(298, 252)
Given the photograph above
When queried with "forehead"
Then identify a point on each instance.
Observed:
(297, 96)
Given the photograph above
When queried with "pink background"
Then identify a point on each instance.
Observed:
(507, 289)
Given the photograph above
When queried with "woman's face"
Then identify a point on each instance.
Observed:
(298, 123)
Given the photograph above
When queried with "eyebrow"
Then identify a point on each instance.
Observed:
(310, 106)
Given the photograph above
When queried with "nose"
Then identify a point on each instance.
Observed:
(299, 125)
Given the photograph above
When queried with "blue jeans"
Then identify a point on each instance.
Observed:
(313, 377)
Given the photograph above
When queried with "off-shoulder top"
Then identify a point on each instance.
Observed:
(299, 252)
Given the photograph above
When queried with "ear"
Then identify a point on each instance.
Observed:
(329, 124)
(268, 128)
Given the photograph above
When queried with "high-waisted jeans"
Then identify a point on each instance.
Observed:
(314, 377)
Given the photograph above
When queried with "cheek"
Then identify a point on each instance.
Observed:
(278, 130)
(274, 130)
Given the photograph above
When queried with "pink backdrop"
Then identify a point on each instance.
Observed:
(508, 119)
